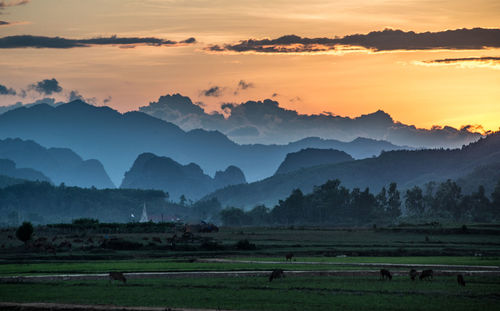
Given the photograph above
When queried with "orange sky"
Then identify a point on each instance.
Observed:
(351, 84)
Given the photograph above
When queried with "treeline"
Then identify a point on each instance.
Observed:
(333, 204)
(41, 202)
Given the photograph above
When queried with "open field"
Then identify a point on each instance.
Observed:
(256, 293)
(331, 267)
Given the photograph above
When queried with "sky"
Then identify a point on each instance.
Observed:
(451, 84)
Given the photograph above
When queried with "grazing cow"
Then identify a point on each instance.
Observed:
(117, 276)
(289, 256)
(413, 274)
(385, 274)
(460, 280)
(276, 274)
(426, 274)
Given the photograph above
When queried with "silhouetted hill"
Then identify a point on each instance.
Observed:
(8, 168)
(59, 164)
(311, 157)
(116, 140)
(6, 181)
(161, 173)
(407, 168)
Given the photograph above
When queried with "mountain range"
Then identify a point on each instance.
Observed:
(267, 122)
(311, 157)
(10, 173)
(117, 139)
(60, 165)
(405, 167)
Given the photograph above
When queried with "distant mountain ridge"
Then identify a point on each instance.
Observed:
(266, 122)
(61, 165)
(8, 168)
(311, 157)
(162, 173)
(116, 140)
(406, 168)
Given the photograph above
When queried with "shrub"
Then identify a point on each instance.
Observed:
(25, 232)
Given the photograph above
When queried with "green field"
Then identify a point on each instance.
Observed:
(256, 293)
(314, 249)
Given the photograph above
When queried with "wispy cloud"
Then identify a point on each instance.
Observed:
(5, 4)
(6, 90)
(214, 91)
(464, 62)
(28, 41)
(386, 40)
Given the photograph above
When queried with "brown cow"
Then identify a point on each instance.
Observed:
(276, 274)
(460, 280)
(385, 274)
(289, 256)
(413, 274)
(117, 276)
(426, 274)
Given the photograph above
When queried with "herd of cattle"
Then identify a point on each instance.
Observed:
(279, 273)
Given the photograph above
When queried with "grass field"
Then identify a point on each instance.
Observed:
(256, 293)
(315, 249)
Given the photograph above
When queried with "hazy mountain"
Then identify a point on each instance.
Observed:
(61, 165)
(161, 173)
(8, 168)
(116, 140)
(311, 157)
(407, 168)
(266, 122)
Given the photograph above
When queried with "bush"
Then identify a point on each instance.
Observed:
(25, 232)
(245, 245)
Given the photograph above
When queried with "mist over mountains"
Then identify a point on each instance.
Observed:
(267, 123)
(116, 140)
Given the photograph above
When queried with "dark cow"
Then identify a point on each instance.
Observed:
(276, 274)
(117, 276)
(426, 274)
(289, 256)
(413, 274)
(460, 280)
(385, 274)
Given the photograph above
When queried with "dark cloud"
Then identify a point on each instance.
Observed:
(227, 106)
(75, 95)
(214, 91)
(47, 86)
(242, 85)
(4, 23)
(27, 41)
(107, 99)
(464, 59)
(6, 91)
(386, 40)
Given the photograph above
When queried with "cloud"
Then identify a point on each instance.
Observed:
(214, 91)
(28, 41)
(464, 62)
(242, 85)
(464, 59)
(47, 86)
(75, 95)
(6, 91)
(5, 4)
(107, 99)
(386, 40)
(4, 23)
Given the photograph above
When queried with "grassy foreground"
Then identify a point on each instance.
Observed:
(254, 293)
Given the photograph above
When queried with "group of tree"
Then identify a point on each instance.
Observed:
(333, 204)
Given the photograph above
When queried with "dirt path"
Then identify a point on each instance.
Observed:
(354, 264)
(12, 306)
(201, 274)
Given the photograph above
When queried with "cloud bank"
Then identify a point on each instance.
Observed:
(6, 90)
(268, 123)
(386, 40)
(28, 41)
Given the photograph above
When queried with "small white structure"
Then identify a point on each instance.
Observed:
(144, 216)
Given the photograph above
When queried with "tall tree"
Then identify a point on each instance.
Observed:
(414, 201)
(393, 202)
